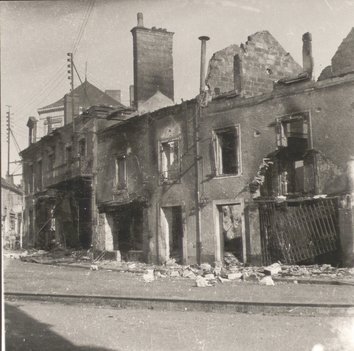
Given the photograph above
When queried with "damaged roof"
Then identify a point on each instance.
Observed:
(251, 67)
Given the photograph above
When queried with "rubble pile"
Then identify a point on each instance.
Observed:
(204, 275)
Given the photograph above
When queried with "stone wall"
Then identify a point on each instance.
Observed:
(342, 61)
(259, 62)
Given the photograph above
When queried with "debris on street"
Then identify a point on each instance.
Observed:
(202, 282)
(267, 280)
(94, 267)
(204, 275)
(149, 276)
(273, 269)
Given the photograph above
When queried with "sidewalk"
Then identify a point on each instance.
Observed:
(48, 279)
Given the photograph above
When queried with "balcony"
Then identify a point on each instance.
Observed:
(78, 167)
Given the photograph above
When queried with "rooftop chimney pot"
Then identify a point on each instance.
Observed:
(307, 59)
(140, 19)
(203, 39)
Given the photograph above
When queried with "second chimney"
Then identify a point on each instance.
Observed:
(307, 59)
(203, 39)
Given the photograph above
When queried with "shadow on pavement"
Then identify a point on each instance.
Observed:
(23, 332)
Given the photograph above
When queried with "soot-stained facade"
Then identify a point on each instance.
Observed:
(259, 166)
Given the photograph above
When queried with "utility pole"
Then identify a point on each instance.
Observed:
(8, 121)
(197, 156)
(70, 60)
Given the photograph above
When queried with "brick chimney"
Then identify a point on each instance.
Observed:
(153, 62)
(32, 130)
(68, 115)
(114, 94)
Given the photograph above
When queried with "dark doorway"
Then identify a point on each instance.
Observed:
(128, 229)
(173, 232)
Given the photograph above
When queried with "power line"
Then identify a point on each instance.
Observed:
(16, 143)
(83, 26)
(36, 94)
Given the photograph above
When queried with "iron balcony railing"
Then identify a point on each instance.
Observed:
(77, 167)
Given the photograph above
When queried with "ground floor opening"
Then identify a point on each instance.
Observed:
(230, 231)
(172, 232)
(126, 224)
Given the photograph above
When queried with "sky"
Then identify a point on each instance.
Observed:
(36, 36)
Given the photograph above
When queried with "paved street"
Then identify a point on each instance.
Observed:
(42, 326)
(34, 325)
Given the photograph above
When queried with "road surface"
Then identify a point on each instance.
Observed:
(50, 327)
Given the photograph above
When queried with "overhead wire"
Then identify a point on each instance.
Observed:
(81, 26)
(16, 143)
(52, 83)
(36, 94)
(87, 15)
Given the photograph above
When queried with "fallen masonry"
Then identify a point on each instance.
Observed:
(204, 275)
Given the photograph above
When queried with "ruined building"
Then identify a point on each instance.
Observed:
(58, 171)
(11, 213)
(260, 166)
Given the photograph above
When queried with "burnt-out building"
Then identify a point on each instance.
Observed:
(58, 173)
(259, 166)
(282, 160)
(256, 167)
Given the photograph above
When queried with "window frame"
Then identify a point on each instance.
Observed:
(31, 178)
(82, 141)
(118, 185)
(282, 142)
(236, 128)
(39, 172)
(170, 178)
(280, 122)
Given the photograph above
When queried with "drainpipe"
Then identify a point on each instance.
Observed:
(197, 157)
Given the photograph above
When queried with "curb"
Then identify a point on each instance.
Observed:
(166, 304)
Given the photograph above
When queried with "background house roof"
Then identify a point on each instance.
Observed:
(88, 95)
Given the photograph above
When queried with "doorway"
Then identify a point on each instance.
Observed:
(172, 232)
(128, 229)
(231, 230)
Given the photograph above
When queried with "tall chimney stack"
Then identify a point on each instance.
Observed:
(307, 59)
(203, 39)
(153, 62)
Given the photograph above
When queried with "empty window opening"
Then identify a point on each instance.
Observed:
(82, 147)
(169, 160)
(39, 175)
(12, 221)
(51, 161)
(293, 142)
(227, 151)
(121, 172)
(31, 179)
(230, 220)
(172, 231)
(69, 154)
(293, 133)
